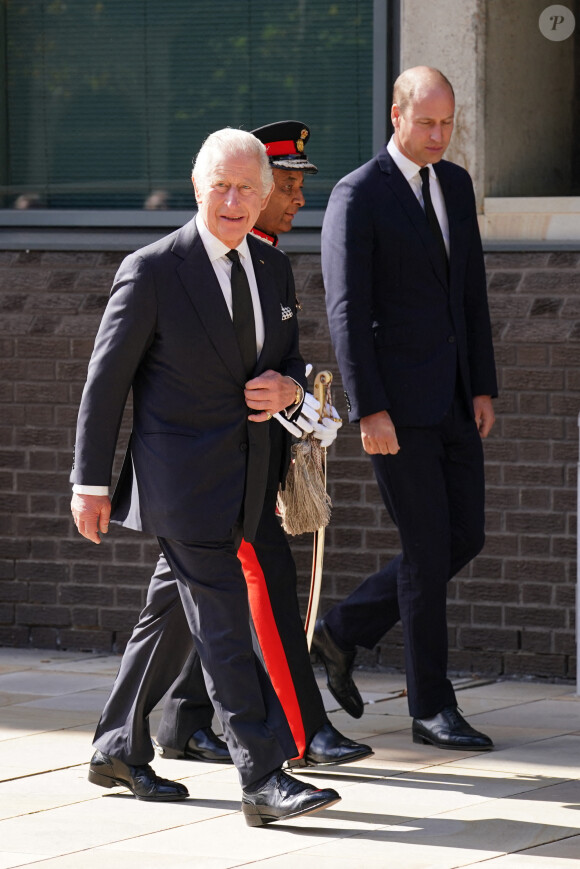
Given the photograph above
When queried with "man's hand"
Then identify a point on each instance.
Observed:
(269, 393)
(378, 434)
(483, 413)
(91, 514)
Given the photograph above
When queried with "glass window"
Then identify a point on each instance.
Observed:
(532, 93)
(106, 102)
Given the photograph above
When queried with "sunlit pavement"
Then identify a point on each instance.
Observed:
(407, 807)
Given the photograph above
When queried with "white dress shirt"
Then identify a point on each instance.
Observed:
(222, 266)
(411, 172)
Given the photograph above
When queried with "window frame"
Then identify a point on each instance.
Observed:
(118, 229)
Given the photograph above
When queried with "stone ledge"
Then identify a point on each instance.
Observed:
(531, 219)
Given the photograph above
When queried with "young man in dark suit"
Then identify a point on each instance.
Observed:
(407, 307)
(198, 327)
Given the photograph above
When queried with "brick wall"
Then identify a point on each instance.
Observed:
(511, 611)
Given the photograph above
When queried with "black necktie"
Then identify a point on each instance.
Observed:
(430, 213)
(243, 312)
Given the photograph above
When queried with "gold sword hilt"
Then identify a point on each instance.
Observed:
(322, 393)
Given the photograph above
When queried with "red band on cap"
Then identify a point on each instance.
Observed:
(276, 149)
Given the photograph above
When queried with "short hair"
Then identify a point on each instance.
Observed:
(227, 143)
(407, 83)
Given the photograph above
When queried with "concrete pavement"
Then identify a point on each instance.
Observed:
(408, 807)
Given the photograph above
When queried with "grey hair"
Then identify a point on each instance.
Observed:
(230, 143)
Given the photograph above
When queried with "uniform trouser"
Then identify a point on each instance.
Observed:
(270, 575)
(434, 492)
(212, 597)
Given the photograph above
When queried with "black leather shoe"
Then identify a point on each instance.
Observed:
(449, 729)
(202, 745)
(284, 797)
(110, 772)
(328, 746)
(338, 665)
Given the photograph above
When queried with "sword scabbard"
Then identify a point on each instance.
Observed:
(322, 393)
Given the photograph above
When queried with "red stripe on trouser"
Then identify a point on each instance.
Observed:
(270, 642)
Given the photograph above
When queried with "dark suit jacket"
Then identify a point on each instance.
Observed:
(167, 334)
(401, 330)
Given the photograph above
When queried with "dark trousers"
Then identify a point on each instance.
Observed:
(433, 490)
(154, 657)
(270, 574)
(213, 597)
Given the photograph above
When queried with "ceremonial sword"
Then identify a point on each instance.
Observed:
(322, 384)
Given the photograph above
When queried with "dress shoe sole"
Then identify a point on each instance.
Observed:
(356, 713)
(304, 762)
(105, 781)
(176, 754)
(419, 739)
(259, 816)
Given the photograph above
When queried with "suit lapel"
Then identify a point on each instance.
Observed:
(455, 208)
(409, 202)
(269, 300)
(202, 286)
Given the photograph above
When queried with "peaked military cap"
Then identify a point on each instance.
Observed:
(285, 142)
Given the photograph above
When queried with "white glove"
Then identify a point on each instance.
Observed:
(327, 429)
(324, 430)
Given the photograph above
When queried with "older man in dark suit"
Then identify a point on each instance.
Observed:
(185, 731)
(407, 306)
(201, 325)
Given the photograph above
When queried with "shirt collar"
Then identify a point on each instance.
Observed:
(409, 168)
(215, 248)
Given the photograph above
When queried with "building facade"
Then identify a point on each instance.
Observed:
(103, 107)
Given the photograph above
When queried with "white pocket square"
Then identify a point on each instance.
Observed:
(287, 313)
